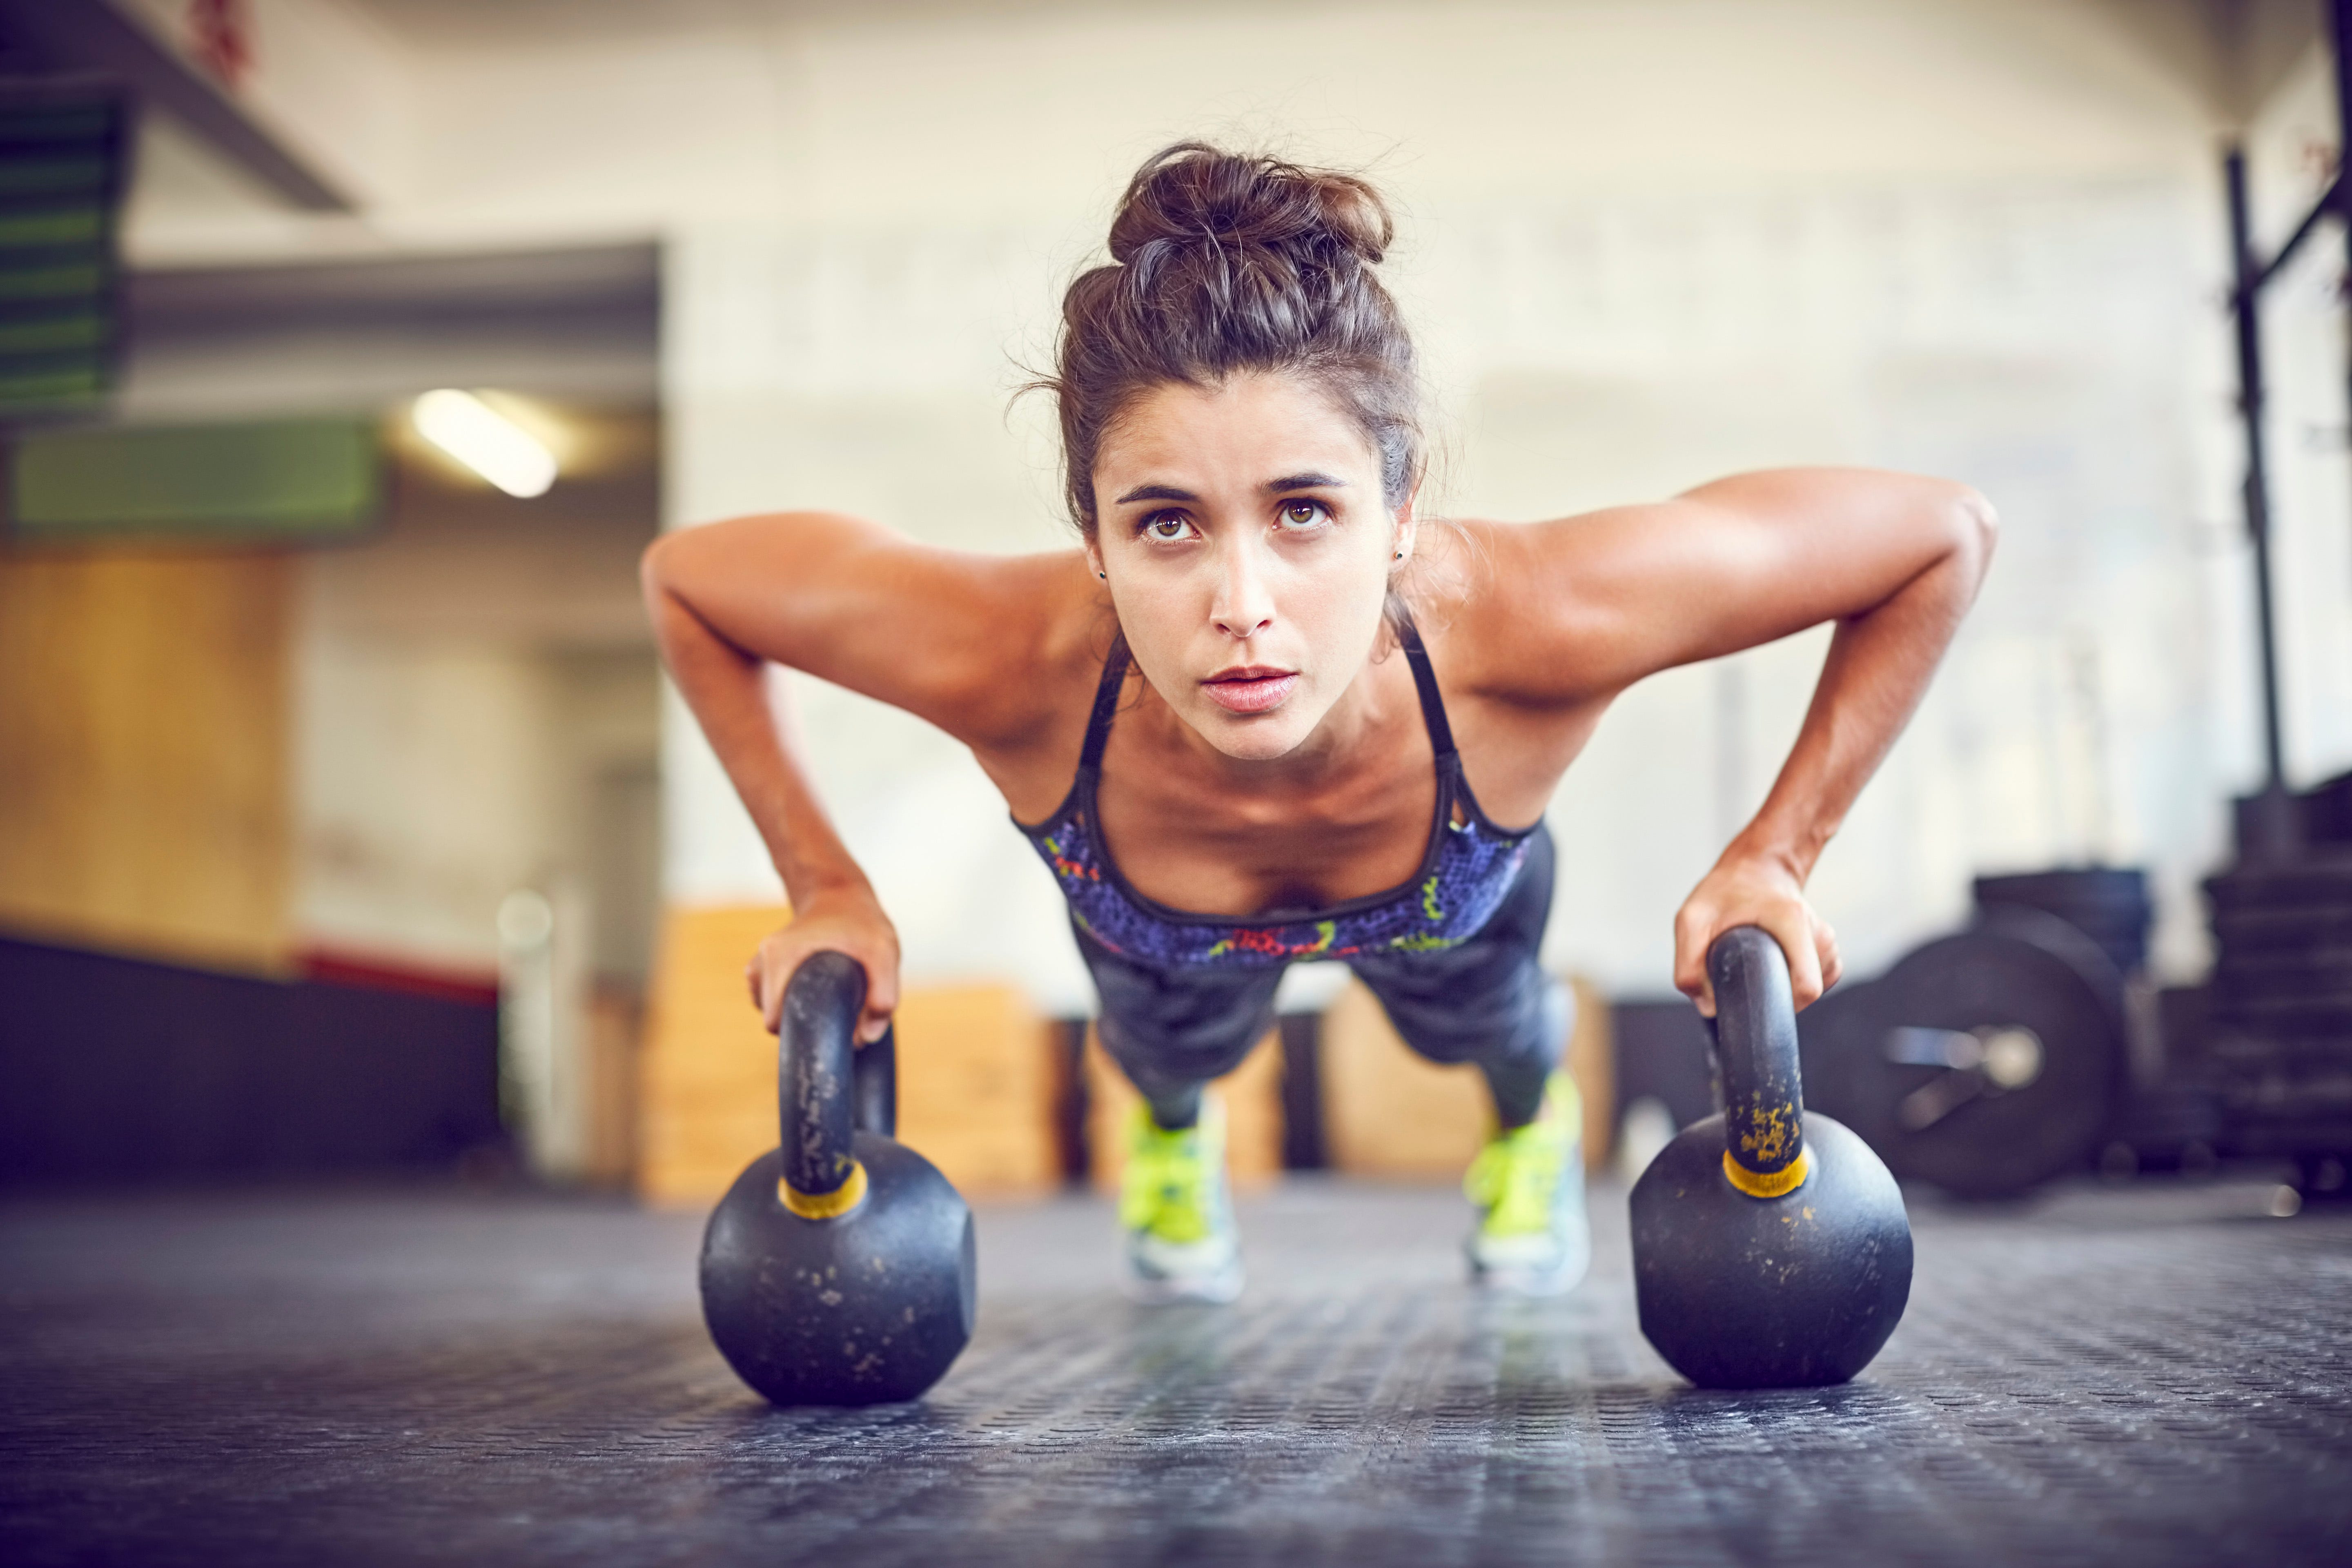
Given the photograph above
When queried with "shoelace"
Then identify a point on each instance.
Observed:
(1514, 1176)
(1166, 1188)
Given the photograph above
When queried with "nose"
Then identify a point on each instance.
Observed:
(1244, 605)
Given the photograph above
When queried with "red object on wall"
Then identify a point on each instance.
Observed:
(220, 33)
(374, 973)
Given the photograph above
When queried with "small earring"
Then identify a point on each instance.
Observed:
(1103, 575)
(1400, 554)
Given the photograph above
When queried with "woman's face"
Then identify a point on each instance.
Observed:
(1248, 549)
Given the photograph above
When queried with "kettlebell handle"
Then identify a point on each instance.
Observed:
(1755, 1029)
(827, 1089)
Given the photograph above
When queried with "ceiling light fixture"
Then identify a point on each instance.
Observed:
(485, 441)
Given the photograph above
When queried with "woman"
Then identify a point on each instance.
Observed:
(1265, 712)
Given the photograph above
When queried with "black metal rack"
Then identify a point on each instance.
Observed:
(2278, 1053)
(2269, 822)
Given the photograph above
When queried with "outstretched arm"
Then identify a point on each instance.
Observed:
(1893, 560)
(927, 630)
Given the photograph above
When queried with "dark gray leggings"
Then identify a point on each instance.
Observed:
(1484, 1000)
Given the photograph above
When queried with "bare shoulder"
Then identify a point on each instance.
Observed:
(1504, 605)
(988, 647)
(1574, 610)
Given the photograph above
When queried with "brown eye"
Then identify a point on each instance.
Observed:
(1303, 513)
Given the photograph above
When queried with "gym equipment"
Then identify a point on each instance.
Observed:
(1770, 1248)
(2281, 1044)
(2109, 904)
(1985, 1062)
(839, 1268)
(2279, 1037)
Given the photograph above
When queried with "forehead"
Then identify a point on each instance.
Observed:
(1249, 423)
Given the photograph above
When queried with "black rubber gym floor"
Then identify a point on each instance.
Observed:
(2145, 1375)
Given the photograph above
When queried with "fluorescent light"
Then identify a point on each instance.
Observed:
(485, 441)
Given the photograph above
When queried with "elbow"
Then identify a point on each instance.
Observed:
(659, 569)
(663, 575)
(1976, 530)
(654, 565)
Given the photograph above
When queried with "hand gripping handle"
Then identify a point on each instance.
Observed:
(826, 1088)
(1756, 1042)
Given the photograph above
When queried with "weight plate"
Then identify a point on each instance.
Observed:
(2326, 879)
(1975, 1125)
(2312, 1136)
(2324, 1016)
(2234, 1042)
(2327, 810)
(2295, 930)
(2315, 972)
(2108, 904)
(2082, 886)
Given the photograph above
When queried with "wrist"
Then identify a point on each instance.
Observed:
(1793, 853)
(809, 886)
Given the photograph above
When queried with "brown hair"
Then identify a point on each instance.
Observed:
(1222, 262)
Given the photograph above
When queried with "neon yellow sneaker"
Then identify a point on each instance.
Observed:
(1528, 1184)
(1177, 1210)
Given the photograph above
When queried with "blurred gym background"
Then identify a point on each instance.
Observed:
(351, 349)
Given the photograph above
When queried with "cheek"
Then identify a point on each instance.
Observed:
(1342, 593)
(1157, 618)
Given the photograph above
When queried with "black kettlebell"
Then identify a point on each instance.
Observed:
(1770, 1248)
(838, 1269)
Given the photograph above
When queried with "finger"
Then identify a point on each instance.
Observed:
(881, 1002)
(1832, 961)
(1693, 930)
(771, 1005)
(1793, 931)
(1700, 990)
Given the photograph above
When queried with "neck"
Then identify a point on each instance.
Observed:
(1380, 700)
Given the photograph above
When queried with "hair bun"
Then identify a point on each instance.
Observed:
(1193, 194)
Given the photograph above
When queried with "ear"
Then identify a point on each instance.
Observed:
(1094, 557)
(1408, 528)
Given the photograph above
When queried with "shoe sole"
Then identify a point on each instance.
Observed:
(1533, 1278)
(1533, 1282)
(1216, 1291)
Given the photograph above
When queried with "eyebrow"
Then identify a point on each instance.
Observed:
(1305, 481)
(1155, 493)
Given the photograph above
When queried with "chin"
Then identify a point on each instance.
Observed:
(1255, 738)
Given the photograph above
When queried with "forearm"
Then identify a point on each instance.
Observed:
(756, 744)
(1878, 668)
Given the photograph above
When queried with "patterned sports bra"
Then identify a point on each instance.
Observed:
(1469, 866)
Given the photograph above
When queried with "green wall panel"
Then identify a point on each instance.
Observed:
(289, 479)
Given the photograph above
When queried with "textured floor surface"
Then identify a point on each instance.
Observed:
(2146, 1377)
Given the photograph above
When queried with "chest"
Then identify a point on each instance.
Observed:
(1187, 839)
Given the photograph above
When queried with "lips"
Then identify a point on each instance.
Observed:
(1249, 689)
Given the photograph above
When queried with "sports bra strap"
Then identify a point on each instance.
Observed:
(1424, 682)
(1114, 677)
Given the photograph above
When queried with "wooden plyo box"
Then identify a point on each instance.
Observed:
(976, 1081)
(1389, 1112)
(144, 754)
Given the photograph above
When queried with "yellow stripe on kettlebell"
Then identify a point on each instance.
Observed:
(826, 1206)
(1768, 1183)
